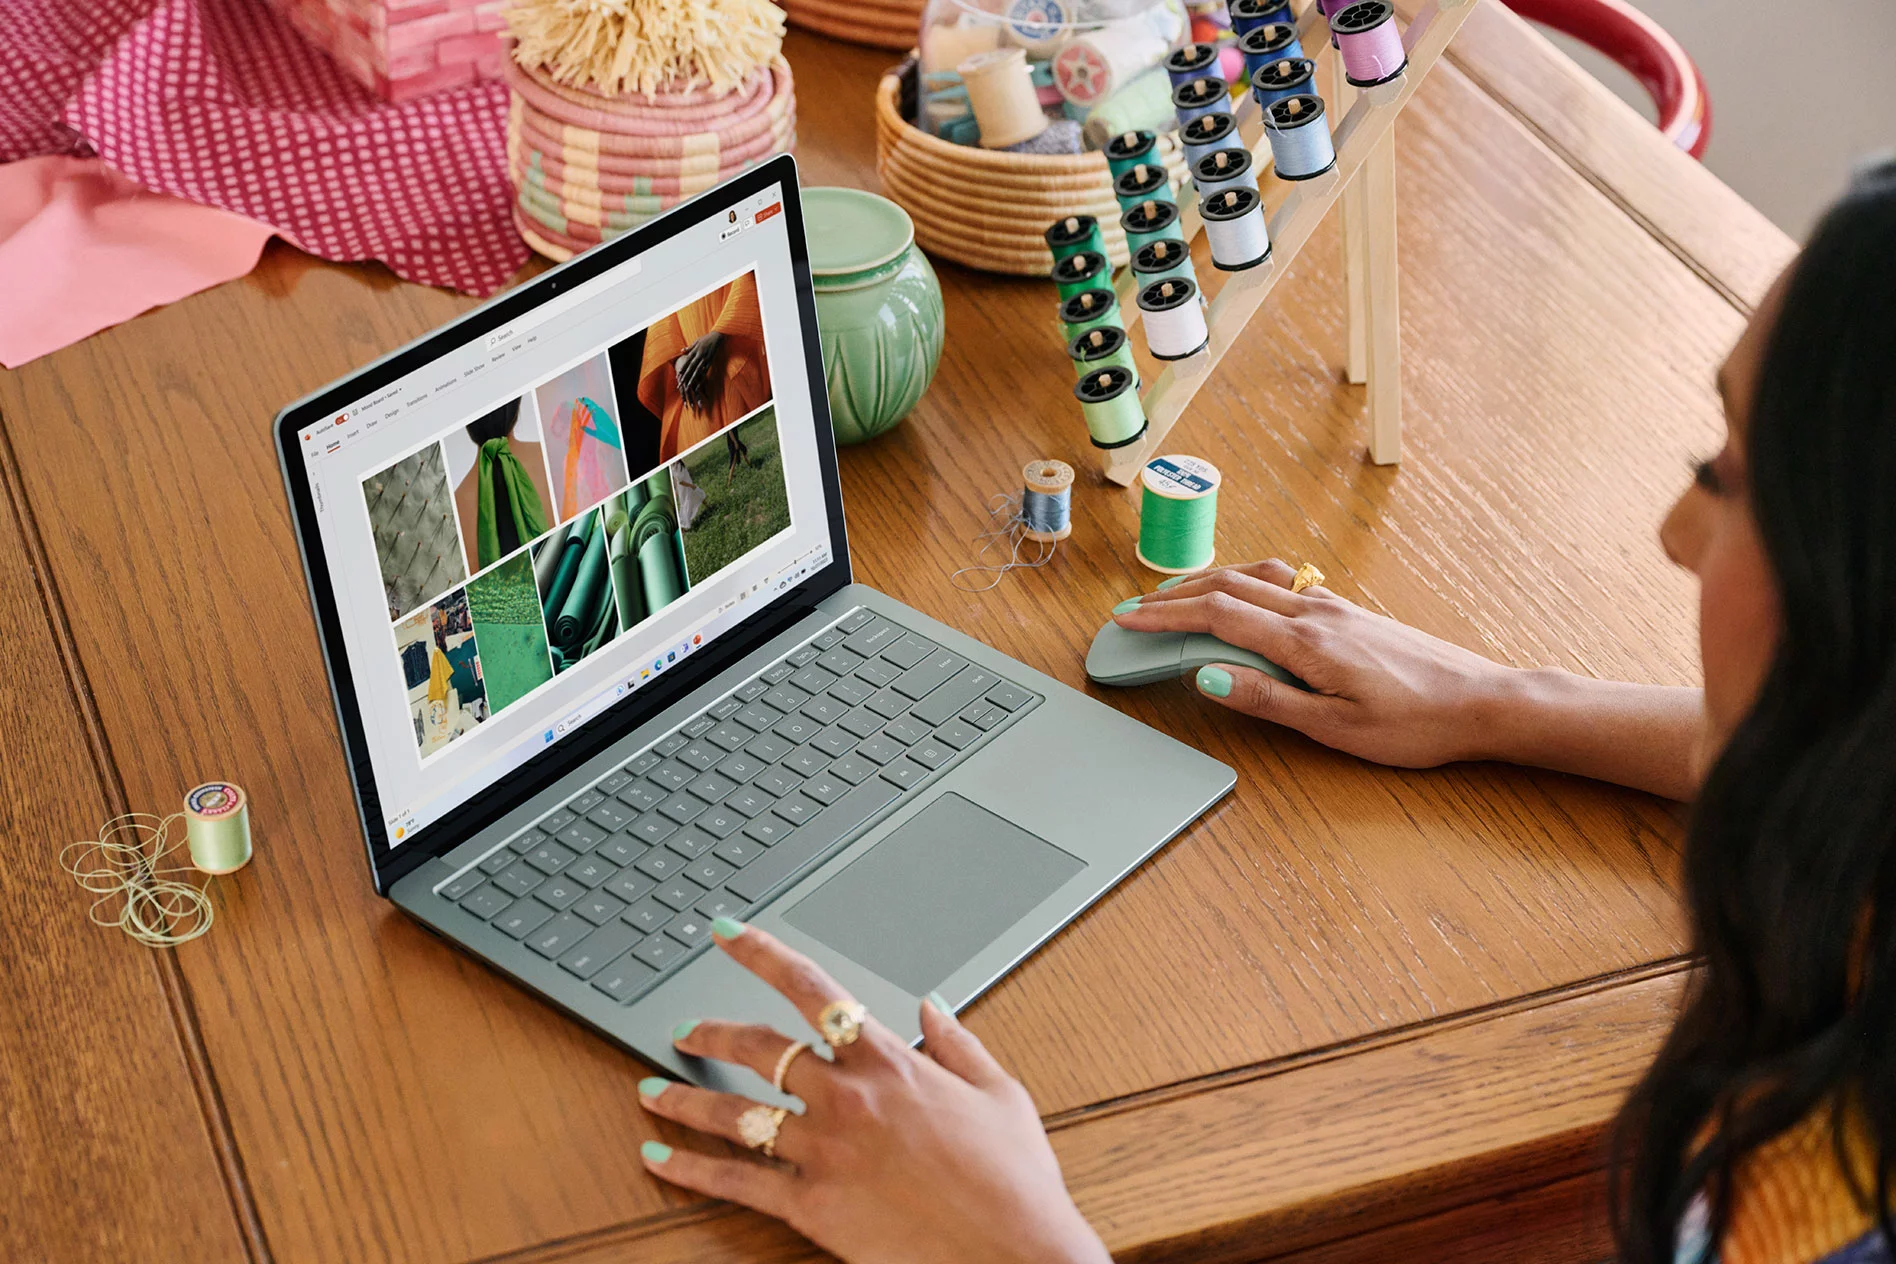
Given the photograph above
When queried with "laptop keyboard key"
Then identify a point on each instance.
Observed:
(697, 726)
(727, 737)
(861, 722)
(518, 879)
(777, 673)
(983, 715)
(931, 753)
(631, 886)
(888, 704)
(768, 829)
(642, 796)
(828, 640)
(720, 904)
(742, 766)
(825, 788)
(830, 827)
(709, 871)
(954, 695)
(615, 781)
(669, 743)
(726, 707)
(526, 840)
(463, 885)
(559, 892)
(672, 775)
(1009, 697)
(580, 836)
(659, 951)
(621, 850)
(711, 787)
(878, 673)
(653, 828)
(598, 948)
(908, 650)
(958, 734)
(660, 863)
(852, 692)
(590, 871)
(777, 781)
(748, 802)
(563, 932)
(752, 690)
(647, 915)
(855, 619)
(641, 763)
(690, 929)
(854, 769)
(905, 730)
(929, 675)
(807, 761)
(813, 679)
(610, 816)
(624, 978)
(682, 808)
(880, 749)
(825, 710)
(757, 717)
(699, 756)
(770, 748)
(488, 902)
(691, 843)
(678, 893)
(720, 822)
(873, 637)
(839, 662)
(554, 822)
(497, 861)
(905, 773)
(738, 852)
(600, 908)
(802, 655)
(797, 808)
(786, 698)
(584, 802)
(525, 917)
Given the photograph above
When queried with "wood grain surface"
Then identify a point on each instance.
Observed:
(391, 1100)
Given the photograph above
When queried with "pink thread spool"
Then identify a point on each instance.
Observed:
(1371, 45)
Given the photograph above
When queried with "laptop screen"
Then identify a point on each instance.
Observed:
(552, 516)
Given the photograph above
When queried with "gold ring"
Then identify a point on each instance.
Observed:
(840, 1023)
(757, 1128)
(784, 1060)
(1306, 576)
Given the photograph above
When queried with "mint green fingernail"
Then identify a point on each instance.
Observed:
(1173, 582)
(1215, 681)
(1130, 603)
(684, 1029)
(655, 1151)
(934, 998)
(653, 1085)
(726, 927)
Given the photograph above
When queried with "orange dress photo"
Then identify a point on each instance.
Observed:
(740, 374)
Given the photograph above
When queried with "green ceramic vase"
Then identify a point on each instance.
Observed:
(878, 307)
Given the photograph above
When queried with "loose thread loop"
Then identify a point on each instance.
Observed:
(158, 910)
(1007, 525)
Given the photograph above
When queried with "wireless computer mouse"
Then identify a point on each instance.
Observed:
(1121, 656)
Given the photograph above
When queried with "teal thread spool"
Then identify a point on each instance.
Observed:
(1129, 149)
(1073, 234)
(1178, 514)
(1162, 261)
(1090, 309)
(1145, 182)
(1086, 270)
(217, 827)
(1151, 220)
(1097, 348)
(1110, 400)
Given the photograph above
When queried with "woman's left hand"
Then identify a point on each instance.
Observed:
(898, 1155)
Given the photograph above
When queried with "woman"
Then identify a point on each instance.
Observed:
(1764, 1132)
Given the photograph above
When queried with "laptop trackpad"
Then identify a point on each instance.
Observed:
(924, 901)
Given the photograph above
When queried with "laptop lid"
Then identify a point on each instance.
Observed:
(531, 530)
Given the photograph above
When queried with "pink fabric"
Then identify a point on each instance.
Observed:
(221, 102)
(82, 247)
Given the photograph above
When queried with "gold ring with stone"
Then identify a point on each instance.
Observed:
(784, 1060)
(840, 1023)
(1306, 576)
(757, 1128)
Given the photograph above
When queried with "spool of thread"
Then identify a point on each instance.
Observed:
(1224, 169)
(1248, 15)
(1274, 41)
(1085, 270)
(1097, 348)
(1143, 105)
(1178, 514)
(1207, 134)
(1327, 8)
(1151, 221)
(1128, 149)
(1194, 61)
(1071, 235)
(1046, 501)
(1110, 399)
(1038, 26)
(1090, 309)
(1162, 261)
(1001, 93)
(1371, 45)
(217, 826)
(1290, 77)
(948, 44)
(1201, 96)
(1300, 137)
(1144, 182)
(1174, 321)
(1095, 66)
(1234, 225)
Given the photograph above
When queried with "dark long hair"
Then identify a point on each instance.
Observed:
(1790, 862)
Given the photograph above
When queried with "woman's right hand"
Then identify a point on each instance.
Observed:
(1380, 690)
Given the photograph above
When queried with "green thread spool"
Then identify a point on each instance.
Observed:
(1162, 260)
(1110, 399)
(1147, 181)
(1073, 234)
(1085, 270)
(1150, 221)
(1090, 309)
(1128, 149)
(1098, 348)
(217, 826)
(1178, 514)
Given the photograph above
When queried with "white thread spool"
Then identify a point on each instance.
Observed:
(1300, 137)
(1093, 67)
(1224, 169)
(1174, 321)
(1038, 26)
(1001, 91)
(1235, 227)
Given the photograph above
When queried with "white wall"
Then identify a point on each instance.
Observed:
(1800, 92)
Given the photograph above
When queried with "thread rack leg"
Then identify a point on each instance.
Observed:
(1382, 298)
(1353, 216)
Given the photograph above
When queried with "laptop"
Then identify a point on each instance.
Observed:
(579, 566)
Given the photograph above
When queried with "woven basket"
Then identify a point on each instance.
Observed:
(987, 208)
(878, 23)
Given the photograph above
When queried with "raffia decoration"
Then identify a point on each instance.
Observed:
(621, 46)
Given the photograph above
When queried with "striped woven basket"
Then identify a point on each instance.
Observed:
(877, 23)
(987, 208)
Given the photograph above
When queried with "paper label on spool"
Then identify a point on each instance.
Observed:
(214, 799)
(1180, 477)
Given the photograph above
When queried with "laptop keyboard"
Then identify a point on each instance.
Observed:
(620, 883)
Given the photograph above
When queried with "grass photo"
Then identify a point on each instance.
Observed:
(505, 610)
(731, 495)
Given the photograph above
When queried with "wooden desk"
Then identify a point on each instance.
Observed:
(1354, 1013)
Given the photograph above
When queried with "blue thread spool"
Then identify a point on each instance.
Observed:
(1097, 348)
(1085, 270)
(1194, 61)
(1090, 309)
(1151, 221)
(1128, 149)
(1248, 15)
(1110, 400)
(1276, 41)
(1207, 134)
(1224, 169)
(1291, 77)
(1071, 235)
(1174, 318)
(1300, 137)
(1201, 96)
(1235, 227)
(1162, 260)
(1046, 501)
(1143, 183)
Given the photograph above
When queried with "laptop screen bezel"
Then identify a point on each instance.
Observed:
(515, 787)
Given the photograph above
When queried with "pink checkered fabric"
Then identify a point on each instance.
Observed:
(221, 102)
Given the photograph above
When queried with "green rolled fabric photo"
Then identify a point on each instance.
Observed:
(546, 561)
(622, 560)
(591, 588)
(568, 567)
